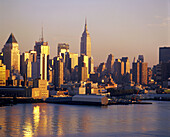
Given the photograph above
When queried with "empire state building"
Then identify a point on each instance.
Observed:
(85, 47)
(85, 50)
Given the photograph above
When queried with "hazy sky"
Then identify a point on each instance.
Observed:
(121, 27)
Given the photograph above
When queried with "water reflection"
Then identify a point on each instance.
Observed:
(43, 119)
(36, 117)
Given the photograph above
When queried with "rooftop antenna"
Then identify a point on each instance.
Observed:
(85, 24)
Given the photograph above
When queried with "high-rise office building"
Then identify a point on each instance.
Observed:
(126, 62)
(11, 54)
(58, 71)
(91, 65)
(26, 67)
(71, 60)
(164, 54)
(42, 64)
(165, 71)
(101, 68)
(140, 72)
(118, 68)
(140, 58)
(85, 46)
(109, 63)
(62, 49)
(83, 62)
(28, 58)
(33, 56)
(135, 72)
(2, 74)
(143, 73)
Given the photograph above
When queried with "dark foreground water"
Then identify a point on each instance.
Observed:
(41, 119)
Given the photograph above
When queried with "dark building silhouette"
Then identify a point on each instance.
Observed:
(109, 63)
(139, 72)
(164, 54)
(58, 71)
(141, 58)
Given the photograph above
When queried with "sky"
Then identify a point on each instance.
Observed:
(119, 27)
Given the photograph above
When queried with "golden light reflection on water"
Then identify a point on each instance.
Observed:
(28, 130)
(36, 118)
(43, 119)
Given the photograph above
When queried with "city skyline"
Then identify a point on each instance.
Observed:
(115, 27)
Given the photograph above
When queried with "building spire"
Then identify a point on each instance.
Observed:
(42, 39)
(85, 28)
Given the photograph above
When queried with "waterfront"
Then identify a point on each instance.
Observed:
(43, 119)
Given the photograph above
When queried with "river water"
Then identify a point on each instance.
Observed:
(43, 119)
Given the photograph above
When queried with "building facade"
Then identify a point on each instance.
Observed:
(126, 63)
(164, 54)
(2, 74)
(11, 54)
(83, 62)
(62, 49)
(140, 72)
(58, 71)
(85, 45)
(42, 64)
(109, 63)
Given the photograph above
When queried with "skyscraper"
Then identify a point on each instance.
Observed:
(144, 73)
(141, 58)
(164, 54)
(58, 71)
(27, 59)
(118, 70)
(109, 63)
(135, 72)
(91, 65)
(11, 54)
(62, 49)
(71, 61)
(126, 62)
(85, 47)
(83, 62)
(140, 72)
(42, 50)
(2, 74)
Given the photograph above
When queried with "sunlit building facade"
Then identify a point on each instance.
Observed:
(62, 49)
(140, 72)
(2, 74)
(11, 54)
(126, 63)
(42, 50)
(83, 62)
(85, 45)
(58, 71)
(109, 63)
(85, 49)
